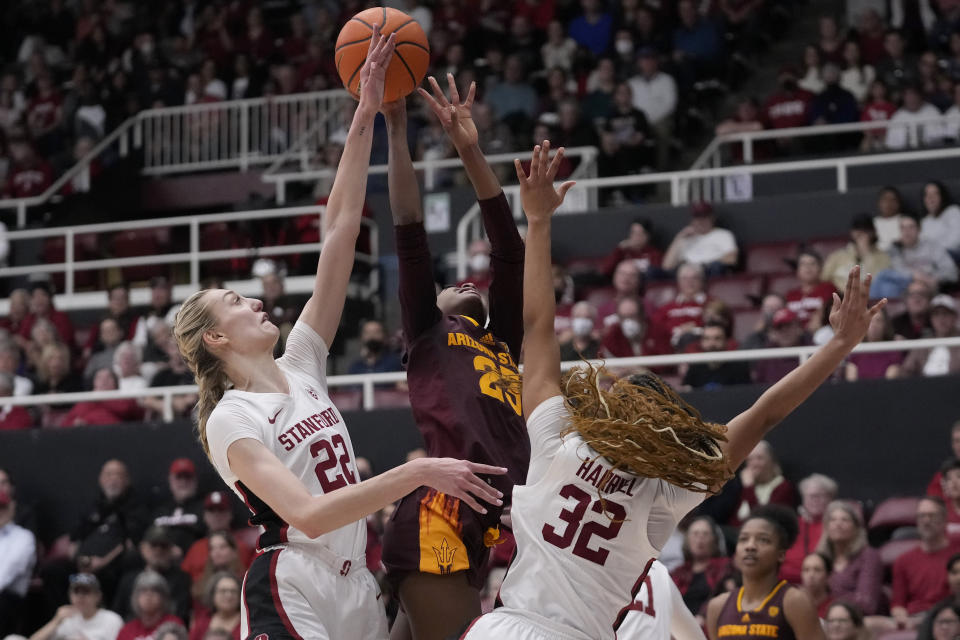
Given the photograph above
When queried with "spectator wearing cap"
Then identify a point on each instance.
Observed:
(861, 250)
(41, 306)
(938, 361)
(182, 512)
(915, 110)
(217, 516)
(715, 375)
(12, 417)
(18, 553)
(156, 554)
(785, 331)
(914, 321)
(703, 243)
(789, 105)
(813, 295)
(913, 258)
(816, 492)
(151, 607)
(935, 486)
(671, 324)
(637, 246)
(83, 617)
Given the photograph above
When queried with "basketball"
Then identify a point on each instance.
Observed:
(410, 60)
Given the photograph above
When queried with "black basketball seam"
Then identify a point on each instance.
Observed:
(362, 21)
(382, 24)
(414, 44)
(347, 44)
(413, 78)
(403, 25)
(354, 74)
(339, 59)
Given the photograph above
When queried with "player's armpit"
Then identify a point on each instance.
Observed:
(802, 615)
(714, 608)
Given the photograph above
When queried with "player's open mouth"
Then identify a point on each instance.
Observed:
(265, 318)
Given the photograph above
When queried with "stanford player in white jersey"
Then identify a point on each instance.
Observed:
(587, 528)
(276, 439)
(658, 612)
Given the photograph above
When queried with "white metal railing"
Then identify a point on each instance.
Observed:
(369, 380)
(236, 133)
(193, 258)
(588, 157)
(681, 184)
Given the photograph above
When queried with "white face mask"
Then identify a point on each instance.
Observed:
(479, 262)
(582, 327)
(624, 47)
(630, 327)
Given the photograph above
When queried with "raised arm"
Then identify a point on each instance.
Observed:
(850, 319)
(269, 479)
(418, 298)
(345, 205)
(506, 246)
(541, 352)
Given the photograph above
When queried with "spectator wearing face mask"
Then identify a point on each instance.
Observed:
(478, 264)
(583, 342)
(375, 354)
(626, 337)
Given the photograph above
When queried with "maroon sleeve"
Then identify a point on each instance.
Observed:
(418, 296)
(506, 272)
(784, 495)
(870, 581)
(611, 261)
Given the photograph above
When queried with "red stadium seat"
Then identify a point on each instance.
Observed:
(892, 550)
(894, 512)
(826, 246)
(745, 322)
(734, 290)
(142, 242)
(782, 283)
(54, 252)
(768, 257)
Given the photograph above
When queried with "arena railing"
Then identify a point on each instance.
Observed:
(192, 258)
(691, 185)
(430, 168)
(367, 382)
(218, 135)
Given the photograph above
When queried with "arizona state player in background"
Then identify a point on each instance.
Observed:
(435, 549)
(765, 606)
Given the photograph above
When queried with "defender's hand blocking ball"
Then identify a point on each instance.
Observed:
(410, 60)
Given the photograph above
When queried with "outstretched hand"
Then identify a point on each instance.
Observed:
(374, 71)
(455, 116)
(537, 193)
(850, 317)
(458, 478)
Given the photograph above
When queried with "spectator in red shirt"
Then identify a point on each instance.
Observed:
(857, 574)
(872, 32)
(878, 108)
(31, 175)
(45, 111)
(950, 481)
(103, 411)
(763, 483)
(12, 417)
(816, 492)
(815, 572)
(627, 283)
(637, 247)
(151, 606)
(217, 515)
(813, 295)
(785, 331)
(920, 575)
(935, 488)
(222, 607)
(626, 337)
(684, 314)
(789, 105)
(41, 306)
(705, 565)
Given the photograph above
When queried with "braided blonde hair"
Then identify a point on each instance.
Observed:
(192, 321)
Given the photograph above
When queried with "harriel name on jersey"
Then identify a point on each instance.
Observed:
(605, 480)
(303, 429)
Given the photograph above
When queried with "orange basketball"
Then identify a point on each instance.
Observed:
(410, 61)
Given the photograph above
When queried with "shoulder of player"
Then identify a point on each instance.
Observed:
(233, 409)
(714, 607)
(795, 601)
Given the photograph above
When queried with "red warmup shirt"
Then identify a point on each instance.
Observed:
(43, 110)
(673, 315)
(920, 578)
(15, 418)
(786, 110)
(808, 535)
(935, 488)
(26, 182)
(61, 323)
(644, 259)
(195, 560)
(134, 630)
(806, 305)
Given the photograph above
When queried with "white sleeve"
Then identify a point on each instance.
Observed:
(307, 352)
(224, 427)
(683, 625)
(544, 426)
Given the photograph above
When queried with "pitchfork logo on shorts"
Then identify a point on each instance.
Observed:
(445, 556)
(262, 636)
(313, 393)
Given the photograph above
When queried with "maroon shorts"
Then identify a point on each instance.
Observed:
(431, 532)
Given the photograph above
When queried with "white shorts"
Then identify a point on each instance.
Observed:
(502, 624)
(290, 594)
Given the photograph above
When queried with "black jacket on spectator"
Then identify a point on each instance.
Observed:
(723, 374)
(184, 521)
(903, 326)
(109, 523)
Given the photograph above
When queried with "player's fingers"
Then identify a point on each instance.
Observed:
(374, 39)
(564, 188)
(484, 492)
(386, 53)
(848, 289)
(471, 93)
(487, 469)
(865, 288)
(438, 93)
(555, 164)
(544, 158)
(535, 162)
(470, 501)
(877, 308)
(521, 177)
(429, 99)
(836, 302)
(454, 93)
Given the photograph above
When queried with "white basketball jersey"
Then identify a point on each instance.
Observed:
(584, 534)
(658, 612)
(304, 430)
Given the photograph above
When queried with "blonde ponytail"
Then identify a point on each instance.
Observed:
(192, 321)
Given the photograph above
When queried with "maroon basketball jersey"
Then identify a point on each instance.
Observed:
(454, 370)
(766, 621)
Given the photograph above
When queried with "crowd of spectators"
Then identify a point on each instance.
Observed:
(896, 61)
